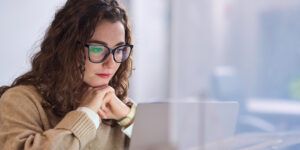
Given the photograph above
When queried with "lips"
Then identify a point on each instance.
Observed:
(104, 75)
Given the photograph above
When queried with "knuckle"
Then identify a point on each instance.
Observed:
(111, 89)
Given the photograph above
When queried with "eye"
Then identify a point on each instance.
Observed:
(96, 49)
(119, 50)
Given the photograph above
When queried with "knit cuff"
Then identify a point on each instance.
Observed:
(91, 114)
(80, 125)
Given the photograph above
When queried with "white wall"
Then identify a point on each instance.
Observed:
(23, 24)
(151, 52)
(192, 47)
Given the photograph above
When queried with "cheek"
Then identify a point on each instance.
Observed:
(88, 69)
(116, 68)
(85, 73)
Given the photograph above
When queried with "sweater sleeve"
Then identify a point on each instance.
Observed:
(21, 126)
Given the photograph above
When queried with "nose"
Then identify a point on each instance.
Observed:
(109, 62)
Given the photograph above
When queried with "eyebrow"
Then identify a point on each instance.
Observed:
(104, 43)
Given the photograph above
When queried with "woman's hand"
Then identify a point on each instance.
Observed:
(104, 101)
(93, 98)
(113, 107)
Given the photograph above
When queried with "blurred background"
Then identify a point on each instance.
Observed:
(241, 50)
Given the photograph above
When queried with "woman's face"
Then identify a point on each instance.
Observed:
(111, 35)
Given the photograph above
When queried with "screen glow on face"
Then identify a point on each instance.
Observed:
(96, 49)
(97, 52)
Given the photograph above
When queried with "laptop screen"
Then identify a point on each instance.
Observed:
(182, 125)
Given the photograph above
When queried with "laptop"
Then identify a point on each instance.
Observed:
(182, 125)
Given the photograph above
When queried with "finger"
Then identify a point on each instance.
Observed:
(107, 98)
(104, 108)
(102, 114)
(107, 113)
(102, 91)
(110, 93)
(111, 89)
(105, 89)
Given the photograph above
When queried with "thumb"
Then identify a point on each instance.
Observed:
(106, 100)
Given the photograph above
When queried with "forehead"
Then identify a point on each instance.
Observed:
(108, 32)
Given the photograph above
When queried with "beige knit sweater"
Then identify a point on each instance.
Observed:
(25, 124)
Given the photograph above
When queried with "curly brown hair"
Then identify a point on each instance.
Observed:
(57, 69)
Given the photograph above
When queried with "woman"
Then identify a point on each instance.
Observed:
(75, 95)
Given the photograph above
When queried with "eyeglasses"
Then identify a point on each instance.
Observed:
(98, 53)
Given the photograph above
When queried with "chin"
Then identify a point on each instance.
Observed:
(98, 84)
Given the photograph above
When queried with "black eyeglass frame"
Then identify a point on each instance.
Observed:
(111, 51)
